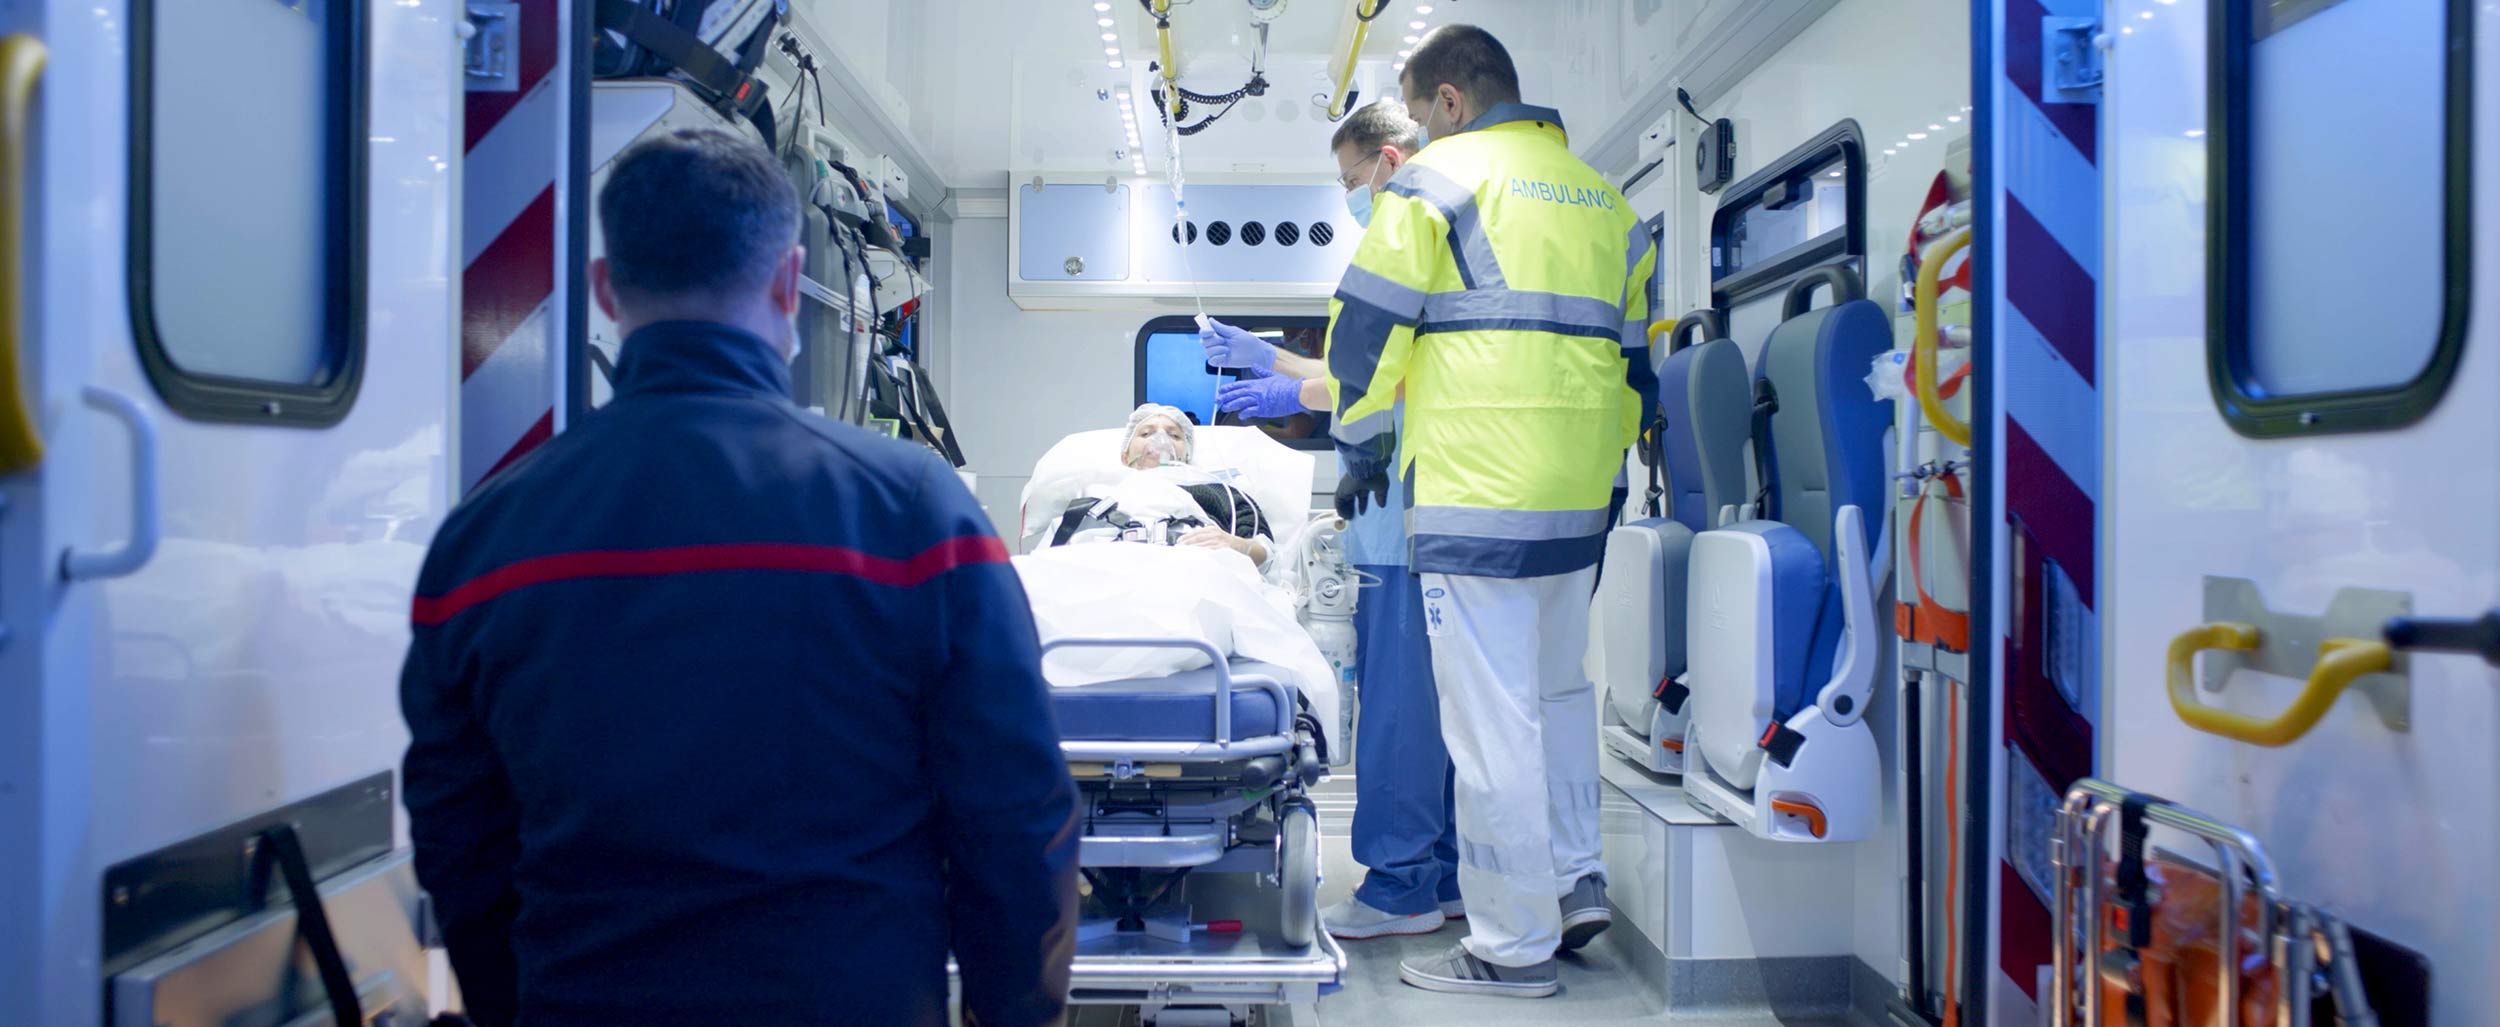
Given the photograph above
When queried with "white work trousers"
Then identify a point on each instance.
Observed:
(1520, 717)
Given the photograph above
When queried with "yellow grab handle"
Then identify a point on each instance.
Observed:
(1171, 71)
(21, 64)
(2341, 661)
(1658, 328)
(1923, 349)
(1353, 55)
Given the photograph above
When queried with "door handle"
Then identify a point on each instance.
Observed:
(2479, 637)
(145, 520)
(2341, 661)
(21, 65)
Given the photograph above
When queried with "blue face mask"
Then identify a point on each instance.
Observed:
(1358, 202)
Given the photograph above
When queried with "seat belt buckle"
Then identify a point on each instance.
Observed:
(1671, 694)
(1781, 742)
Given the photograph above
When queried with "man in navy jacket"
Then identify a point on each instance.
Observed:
(722, 712)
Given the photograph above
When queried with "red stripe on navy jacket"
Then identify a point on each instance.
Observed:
(722, 713)
(754, 556)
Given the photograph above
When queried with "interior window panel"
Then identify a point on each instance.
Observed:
(1172, 370)
(2326, 314)
(262, 156)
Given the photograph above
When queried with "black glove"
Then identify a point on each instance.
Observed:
(1356, 493)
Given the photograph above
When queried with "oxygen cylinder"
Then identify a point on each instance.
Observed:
(1335, 636)
(1329, 596)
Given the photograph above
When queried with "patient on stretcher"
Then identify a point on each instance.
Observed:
(1166, 500)
(1141, 475)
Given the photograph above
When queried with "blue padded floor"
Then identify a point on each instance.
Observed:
(1180, 708)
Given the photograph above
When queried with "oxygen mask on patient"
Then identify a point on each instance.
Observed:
(1156, 436)
(1154, 451)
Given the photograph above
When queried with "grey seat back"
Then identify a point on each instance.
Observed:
(1705, 396)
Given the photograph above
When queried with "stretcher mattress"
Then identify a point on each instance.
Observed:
(1175, 708)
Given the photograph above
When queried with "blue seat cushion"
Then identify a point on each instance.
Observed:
(1179, 708)
(1799, 591)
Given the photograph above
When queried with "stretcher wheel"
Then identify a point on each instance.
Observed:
(1297, 867)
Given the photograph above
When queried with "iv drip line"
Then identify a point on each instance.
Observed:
(1180, 217)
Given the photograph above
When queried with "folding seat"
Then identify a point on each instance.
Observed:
(1637, 645)
(1781, 640)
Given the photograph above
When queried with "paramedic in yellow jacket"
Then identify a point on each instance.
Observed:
(1503, 284)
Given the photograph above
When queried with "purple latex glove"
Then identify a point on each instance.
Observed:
(1266, 397)
(1228, 346)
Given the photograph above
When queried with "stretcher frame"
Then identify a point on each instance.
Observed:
(2301, 941)
(1250, 967)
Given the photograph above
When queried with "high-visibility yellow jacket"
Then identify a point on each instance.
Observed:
(1506, 285)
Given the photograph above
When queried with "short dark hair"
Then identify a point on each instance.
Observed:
(1377, 124)
(697, 211)
(1466, 57)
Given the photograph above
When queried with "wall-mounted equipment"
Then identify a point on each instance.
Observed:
(1246, 239)
(713, 46)
(1714, 150)
(1714, 156)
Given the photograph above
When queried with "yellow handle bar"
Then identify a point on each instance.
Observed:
(1923, 350)
(1353, 55)
(1171, 69)
(2341, 661)
(21, 65)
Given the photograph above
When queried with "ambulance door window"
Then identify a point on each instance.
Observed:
(247, 269)
(2337, 247)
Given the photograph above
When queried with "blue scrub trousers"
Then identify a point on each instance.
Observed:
(1405, 832)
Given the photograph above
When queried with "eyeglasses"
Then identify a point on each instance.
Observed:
(1348, 181)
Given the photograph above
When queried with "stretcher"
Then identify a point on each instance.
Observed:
(2150, 938)
(1201, 847)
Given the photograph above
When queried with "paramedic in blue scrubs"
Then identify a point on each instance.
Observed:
(721, 712)
(1404, 833)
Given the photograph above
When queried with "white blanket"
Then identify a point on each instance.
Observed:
(1277, 478)
(1127, 590)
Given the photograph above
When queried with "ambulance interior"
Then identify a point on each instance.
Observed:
(2131, 414)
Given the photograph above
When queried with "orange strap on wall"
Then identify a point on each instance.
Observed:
(1927, 621)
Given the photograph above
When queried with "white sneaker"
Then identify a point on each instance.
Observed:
(1460, 972)
(1353, 920)
(1454, 909)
